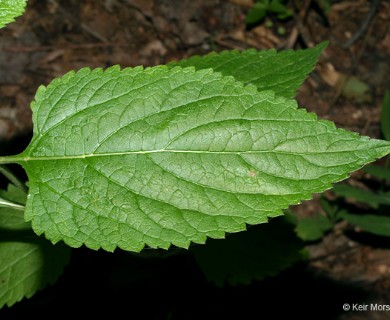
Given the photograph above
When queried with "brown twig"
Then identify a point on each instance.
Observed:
(21, 49)
(65, 13)
(358, 56)
(228, 45)
(337, 252)
(364, 25)
(300, 29)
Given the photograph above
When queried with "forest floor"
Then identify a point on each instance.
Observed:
(347, 86)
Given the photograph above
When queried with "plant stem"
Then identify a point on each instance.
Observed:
(12, 205)
(9, 159)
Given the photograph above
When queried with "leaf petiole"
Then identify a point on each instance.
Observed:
(9, 159)
(12, 205)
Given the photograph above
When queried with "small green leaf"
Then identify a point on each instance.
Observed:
(13, 194)
(256, 13)
(13, 178)
(27, 263)
(171, 156)
(385, 116)
(376, 224)
(261, 251)
(330, 209)
(378, 171)
(367, 197)
(313, 228)
(325, 5)
(10, 9)
(282, 72)
(356, 90)
(279, 8)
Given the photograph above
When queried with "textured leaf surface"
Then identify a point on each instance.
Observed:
(27, 263)
(259, 252)
(168, 156)
(10, 9)
(282, 72)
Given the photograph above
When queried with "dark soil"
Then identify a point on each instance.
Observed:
(55, 36)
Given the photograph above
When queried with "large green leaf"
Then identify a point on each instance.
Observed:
(10, 9)
(170, 156)
(282, 72)
(27, 262)
(262, 251)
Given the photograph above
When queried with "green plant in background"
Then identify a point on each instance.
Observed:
(315, 227)
(263, 250)
(385, 116)
(171, 155)
(376, 218)
(27, 262)
(262, 8)
(325, 5)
